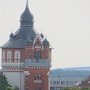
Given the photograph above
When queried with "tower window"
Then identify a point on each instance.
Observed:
(9, 55)
(37, 56)
(17, 55)
(37, 78)
(3, 54)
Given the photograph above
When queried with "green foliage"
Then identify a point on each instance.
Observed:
(10, 88)
(16, 88)
(3, 82)
(4, 85)
(67, 89)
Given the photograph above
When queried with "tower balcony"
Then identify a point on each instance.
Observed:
(12, 66)
(39, 62)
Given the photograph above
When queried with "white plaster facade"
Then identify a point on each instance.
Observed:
(16, 79)
(60, 79)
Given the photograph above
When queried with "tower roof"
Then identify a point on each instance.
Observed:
(26, 18)
(19, 38)
(24, 33)
(45, 42)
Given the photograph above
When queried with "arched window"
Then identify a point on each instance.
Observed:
(9, 55)
(37, 77)
(37, 56)
(3, 54)
(17, 55)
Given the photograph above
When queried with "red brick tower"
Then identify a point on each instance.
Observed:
(38, 58)
(26, 56)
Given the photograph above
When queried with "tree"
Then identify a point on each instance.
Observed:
(3, 82)
(16, 88)
(4, 85)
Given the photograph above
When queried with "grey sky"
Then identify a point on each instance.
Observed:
(65, 23)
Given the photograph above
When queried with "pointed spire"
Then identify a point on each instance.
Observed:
(27, 4)
(46, 42)
(26, 18)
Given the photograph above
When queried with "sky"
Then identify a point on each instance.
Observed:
(65, 23)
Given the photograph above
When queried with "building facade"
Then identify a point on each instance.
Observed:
(62, 78)
(26, 56)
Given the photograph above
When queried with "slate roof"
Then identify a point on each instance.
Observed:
(18, 40)
(69, 73)
(46, 42)
(24, 33)
(26, 17)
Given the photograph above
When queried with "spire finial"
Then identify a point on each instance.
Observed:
(27, 4)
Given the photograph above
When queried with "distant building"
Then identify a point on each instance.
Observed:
(85, 83)
(26, 56)
(62, 78)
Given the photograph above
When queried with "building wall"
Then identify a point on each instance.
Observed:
(12, 58)
(64, 82)
(40, 84)
(61, 79)
(45, 52)
(16, 79)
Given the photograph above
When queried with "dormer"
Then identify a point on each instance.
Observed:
(38, 42)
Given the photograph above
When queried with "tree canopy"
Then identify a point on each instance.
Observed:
(4, 85)
(3, 82)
